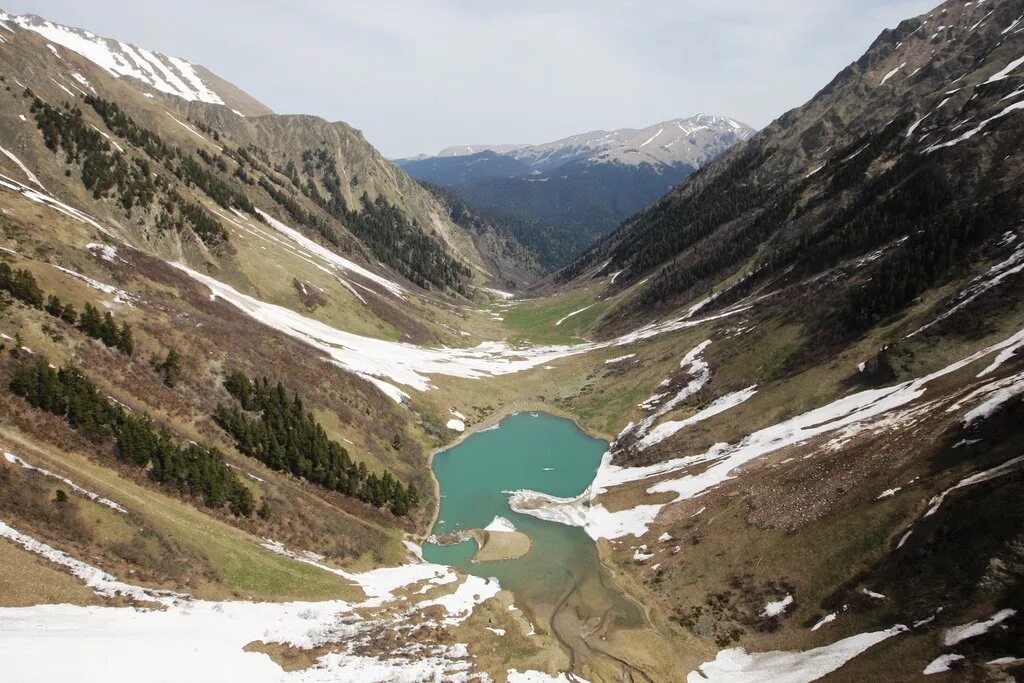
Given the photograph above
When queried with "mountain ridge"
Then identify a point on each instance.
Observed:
(154, 71)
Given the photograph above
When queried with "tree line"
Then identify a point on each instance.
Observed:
(286, 437)
(22, 285)
(188, 468)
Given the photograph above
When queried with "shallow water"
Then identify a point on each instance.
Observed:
(543, 453)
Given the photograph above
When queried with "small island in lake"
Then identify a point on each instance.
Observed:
(496, 542)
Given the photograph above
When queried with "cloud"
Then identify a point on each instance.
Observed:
(420, 75)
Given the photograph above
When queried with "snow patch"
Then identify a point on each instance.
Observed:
(737, 666)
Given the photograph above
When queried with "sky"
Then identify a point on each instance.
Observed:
(420, 75)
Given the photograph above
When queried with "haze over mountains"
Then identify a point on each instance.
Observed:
(231, 342)
(558, 197)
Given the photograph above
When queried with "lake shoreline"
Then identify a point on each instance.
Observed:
(488, 422)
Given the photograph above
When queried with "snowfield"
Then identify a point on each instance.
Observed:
(167, 74)
(737, 666)
(202, 640)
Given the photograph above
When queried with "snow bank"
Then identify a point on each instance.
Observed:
(204, 639)
(456, 425)
(166, 74)
(192, 638)
(870, 409)
(120, 296)
(498, 293)
(737, 666)
(98, 580)
(459, 604)
(973, 629)
(941, 664)
(330, 257)
(719, 405)
(53, 203)
(1000, 393)
(106, 252)
(24, 169)
(977, 478)
(827, 619)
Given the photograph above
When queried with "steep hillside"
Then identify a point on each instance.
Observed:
(507, 259)
(322, 176)
(876, 161)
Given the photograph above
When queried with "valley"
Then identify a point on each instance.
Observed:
(272, 410)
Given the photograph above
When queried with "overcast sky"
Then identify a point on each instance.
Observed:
(419, 75)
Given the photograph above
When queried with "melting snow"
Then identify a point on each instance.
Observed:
(987, 475)
(827, 619)
(120, 59)
(719, 405)
(576, 312)
(24, 169)
(892, 73)
(737, 666)
(774, 609)
(408, 364)
(973, 629)
(850, 413)
(941, 664)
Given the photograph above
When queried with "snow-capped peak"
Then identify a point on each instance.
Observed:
(692, 141)
(166, 74)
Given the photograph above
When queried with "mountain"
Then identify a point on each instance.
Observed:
(322, 175)
(833, 458)
(869, 163)
(559, 197)
(463, 170)
(236, 350)
(152, 72)
(693, 142)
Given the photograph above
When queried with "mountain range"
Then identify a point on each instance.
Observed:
(559, 197)
(235, 346)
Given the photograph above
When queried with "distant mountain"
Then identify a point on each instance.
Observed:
(465, 150)
(462, 170)
(559, 197)
(150, 71)
(693, 142)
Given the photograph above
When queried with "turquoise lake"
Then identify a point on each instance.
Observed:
(533, 451)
